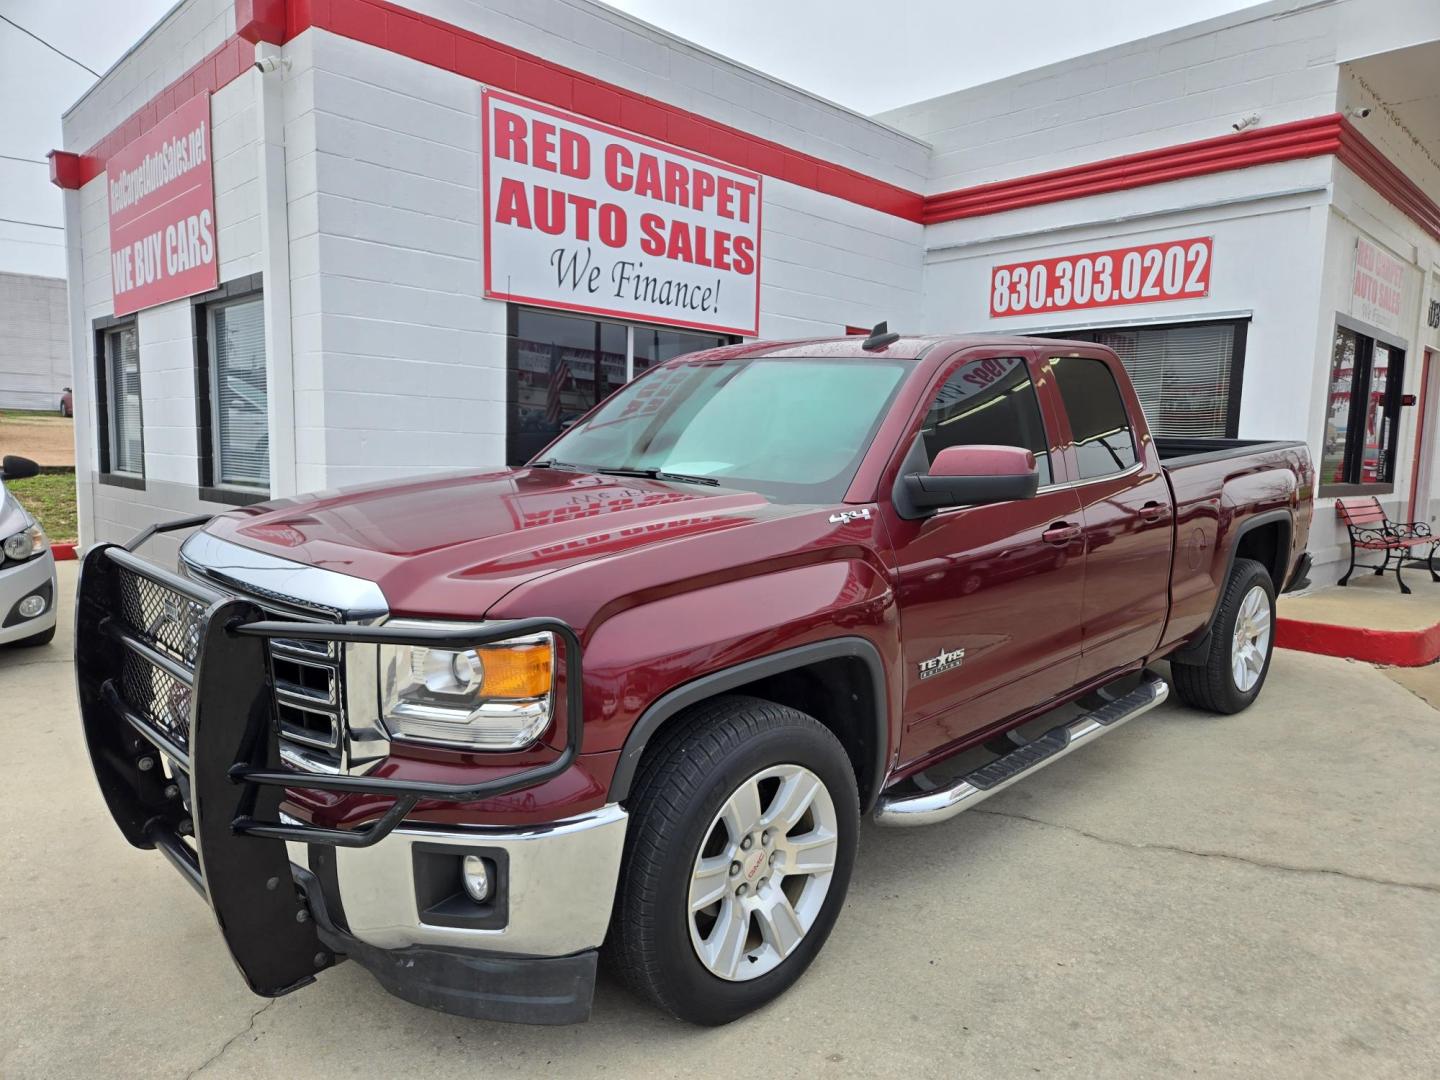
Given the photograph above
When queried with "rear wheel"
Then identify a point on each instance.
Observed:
(743, 830)
(1233, 671)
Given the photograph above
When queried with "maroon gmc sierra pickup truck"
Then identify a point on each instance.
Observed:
(474, 731)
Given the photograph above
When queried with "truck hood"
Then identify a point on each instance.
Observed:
(451, 546)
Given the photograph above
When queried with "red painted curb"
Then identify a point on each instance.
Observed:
(63, 552)
(1397, 648)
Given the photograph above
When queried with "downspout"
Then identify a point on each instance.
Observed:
(82, 372)
(275, 255)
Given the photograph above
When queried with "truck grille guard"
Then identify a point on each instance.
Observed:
(203, 656)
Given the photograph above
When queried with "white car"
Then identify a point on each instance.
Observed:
(28, 589)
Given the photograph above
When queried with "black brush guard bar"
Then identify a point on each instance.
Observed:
(230, 765)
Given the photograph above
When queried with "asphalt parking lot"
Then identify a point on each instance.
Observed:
(1255, 895)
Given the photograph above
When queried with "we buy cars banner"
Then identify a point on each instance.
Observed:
(587, 217)
(161, 193)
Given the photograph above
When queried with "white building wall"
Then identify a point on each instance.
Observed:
(1359, 211)
(615, 48)
(176, 43)
(1276, 60)
(398, 359)
(413, 375)
(166, 332)
(34, 342)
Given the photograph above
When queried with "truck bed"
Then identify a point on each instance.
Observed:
(1179, 451)
(1220, 488)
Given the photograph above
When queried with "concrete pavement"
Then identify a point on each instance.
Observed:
(1252, 895)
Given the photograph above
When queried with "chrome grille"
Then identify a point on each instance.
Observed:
(309, 693)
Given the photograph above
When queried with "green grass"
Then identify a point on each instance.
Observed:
(51, 498)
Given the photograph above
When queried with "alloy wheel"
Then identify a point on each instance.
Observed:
(1251, 643)
(762, 872)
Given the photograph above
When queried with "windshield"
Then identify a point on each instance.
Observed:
(793, 430)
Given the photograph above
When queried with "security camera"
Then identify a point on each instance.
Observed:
(1248, 120)
(267, 64)
(1359, 112)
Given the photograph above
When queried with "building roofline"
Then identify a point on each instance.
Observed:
(174, 8)
(1272, 9)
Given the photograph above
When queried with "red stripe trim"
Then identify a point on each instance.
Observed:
(1283, 142)
(1398, 648)
(420, 37)
(386, 26)
(1360, 156)
(217, 68)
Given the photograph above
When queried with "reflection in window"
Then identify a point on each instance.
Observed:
(792, 429)
(989, 402)
(561, 366)
(1104, 443)
(1337, 416)
(1362, 410)
(122, 374)
(654, 345)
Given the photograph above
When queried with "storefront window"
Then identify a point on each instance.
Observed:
(1187, 376)
(562, 366)
(655, 346)
(124, 449)
(240, 419)
(1361, 413)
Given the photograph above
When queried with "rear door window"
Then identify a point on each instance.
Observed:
(1104, 440)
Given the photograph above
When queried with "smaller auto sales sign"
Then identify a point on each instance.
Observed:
(583, 216)
(162, 212)
(1177, 270)
(1377, 289)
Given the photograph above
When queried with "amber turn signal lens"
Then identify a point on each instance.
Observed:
(517, 671)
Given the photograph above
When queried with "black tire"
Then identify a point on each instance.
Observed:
(683, 783)
(1210, 683)
(42, 638)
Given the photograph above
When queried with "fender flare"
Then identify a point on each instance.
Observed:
(1196, 650)
(718, 682)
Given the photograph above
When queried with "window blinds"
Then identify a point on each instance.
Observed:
(127, 448)
(241, 426)
(1181, 374)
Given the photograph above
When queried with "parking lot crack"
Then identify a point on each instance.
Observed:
(1202, 853)
(249, 1027)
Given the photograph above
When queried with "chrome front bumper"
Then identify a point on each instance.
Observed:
(559, 881)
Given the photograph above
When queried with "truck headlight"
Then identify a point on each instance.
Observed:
(489, 697)
(25, 543)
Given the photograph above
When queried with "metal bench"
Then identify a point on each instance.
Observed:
(1372, 530)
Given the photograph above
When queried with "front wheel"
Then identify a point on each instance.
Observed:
(1233, 670)
(744, 823)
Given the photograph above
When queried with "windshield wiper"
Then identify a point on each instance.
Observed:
(661, 474)
(553, 463)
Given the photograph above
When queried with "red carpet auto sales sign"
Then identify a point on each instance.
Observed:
(162, 212)
(587, 217)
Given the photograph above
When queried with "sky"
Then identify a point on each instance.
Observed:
(839, 49)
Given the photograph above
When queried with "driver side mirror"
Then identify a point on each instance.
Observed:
(974, 476)
(14, 467)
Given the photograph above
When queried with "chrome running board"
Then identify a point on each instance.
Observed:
(929, 807)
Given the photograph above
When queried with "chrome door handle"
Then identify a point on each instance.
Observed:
(1152, 511)
(1062, 532)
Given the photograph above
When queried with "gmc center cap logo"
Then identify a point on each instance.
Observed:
(755, 865)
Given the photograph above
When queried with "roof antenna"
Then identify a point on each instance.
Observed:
(880, 337)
